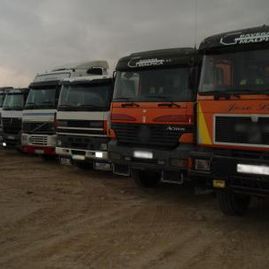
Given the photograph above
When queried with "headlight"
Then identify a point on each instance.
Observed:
(202, 164)
(23, 138)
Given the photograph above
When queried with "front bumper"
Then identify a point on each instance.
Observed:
(226, 169)
(162, 159)
(38, 150)
(38, 143)
(83, 155)
(223, 171)
(10, 140)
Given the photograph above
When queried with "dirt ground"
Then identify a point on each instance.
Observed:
(62, 217)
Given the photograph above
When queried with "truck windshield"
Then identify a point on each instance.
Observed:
(41, 98)
(238, 72)
(85, 97)
(154, 85)
(2, 97)
(13, 101)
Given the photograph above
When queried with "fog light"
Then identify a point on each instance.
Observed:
(201, 164)
(99, 154)
(219, 183)
(4, 144)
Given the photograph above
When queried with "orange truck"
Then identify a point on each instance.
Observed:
(232, 117)
(152, 115)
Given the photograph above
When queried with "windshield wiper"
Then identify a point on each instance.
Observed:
(169, 104)
(122, 99)
(94, 107)
(131, 104)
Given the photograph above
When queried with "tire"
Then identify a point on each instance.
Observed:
(233, 204)
(146, 179)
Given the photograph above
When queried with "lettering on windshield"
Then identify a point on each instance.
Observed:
(233, 39)
(137, 62)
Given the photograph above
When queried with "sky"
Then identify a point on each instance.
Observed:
(36, 35)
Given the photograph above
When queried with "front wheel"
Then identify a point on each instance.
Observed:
(233, 204)
(146, 179)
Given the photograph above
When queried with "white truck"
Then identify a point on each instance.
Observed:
(12, 117)
(83, 120)
(39, 114)
(3, 92)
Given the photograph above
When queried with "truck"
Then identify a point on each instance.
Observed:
(39, 114)
(232, 117)
(82, 120)
(3, 91)
(12, 117)
(152, 115)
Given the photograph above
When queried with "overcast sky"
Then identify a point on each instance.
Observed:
(36, 35)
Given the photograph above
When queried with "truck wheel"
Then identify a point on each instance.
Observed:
(232, 204)
(146, 179)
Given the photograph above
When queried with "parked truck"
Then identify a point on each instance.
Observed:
(233, 117)
(3, 91)
(82, 119)
(39, 115)
(152, 115)
(12, 117)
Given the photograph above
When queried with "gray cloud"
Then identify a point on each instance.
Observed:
(36, 35)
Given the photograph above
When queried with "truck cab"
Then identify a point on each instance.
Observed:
(232, 117)
(3, 91)
(39, 114)
(12, 116)
(82, 121)
(152, 115)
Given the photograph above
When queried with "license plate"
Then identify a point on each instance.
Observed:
(39, 151)
(65, 161)
(11, 137)
(253, 169)
(78, 157)
(143, 154)
(102, 166)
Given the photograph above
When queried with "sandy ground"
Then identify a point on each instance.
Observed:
(61, 217)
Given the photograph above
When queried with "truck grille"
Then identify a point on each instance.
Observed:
(242, 130)
(40, 140)
(81, 123)
(86, 127)
(81, 142)
(11, 125)
(38, 127)
(165, 136)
